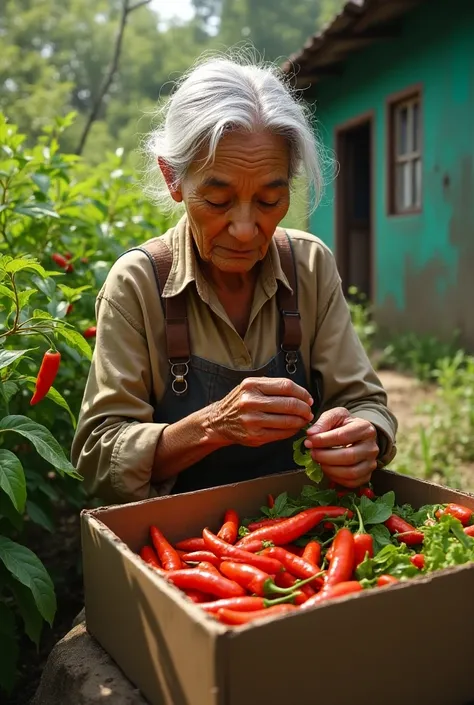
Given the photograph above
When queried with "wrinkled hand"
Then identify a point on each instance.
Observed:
(260, 410)
(344, 446)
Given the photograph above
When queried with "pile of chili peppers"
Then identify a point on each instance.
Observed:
(272, 565)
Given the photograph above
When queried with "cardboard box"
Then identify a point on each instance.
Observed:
(411, 643)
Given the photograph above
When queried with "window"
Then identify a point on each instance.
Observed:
(405, 155)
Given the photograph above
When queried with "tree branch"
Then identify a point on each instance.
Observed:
(111, 71)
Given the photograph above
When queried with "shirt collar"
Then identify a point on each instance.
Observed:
(185, 267)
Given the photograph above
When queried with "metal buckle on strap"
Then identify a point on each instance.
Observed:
(179, 370)
(291, 358)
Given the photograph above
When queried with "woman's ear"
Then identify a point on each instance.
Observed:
(173, 188)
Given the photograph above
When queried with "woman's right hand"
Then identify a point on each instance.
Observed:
(260, 410)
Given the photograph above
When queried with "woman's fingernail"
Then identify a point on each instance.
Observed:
(311, 401)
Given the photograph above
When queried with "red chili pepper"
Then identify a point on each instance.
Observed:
(366, 492)
(459, 511)
(230, 528)
(69, 309)
(339, 590)
(397, 525)
(363, 543)
(252, 579)
(384, 580)
(469, 530)
(312, 553)
(257, 545)
(85, 260)
(239, 604)
(286, 580)
(255, 525)
(196, 596)
(194, 544)
(225, 550)
(411, 538)
(149, 556)
(294, 564)
(204, 581)
(90, 332)
(199, 557)
(270, 501)
(60, 260)
(329, 553)
(166, 553)
(236, 618)
(342, 493)
(341, 566)
(291, 529)
(46, 375)
(418, 560)
(68, 255)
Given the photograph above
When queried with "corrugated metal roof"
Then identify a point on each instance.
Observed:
(359, 24)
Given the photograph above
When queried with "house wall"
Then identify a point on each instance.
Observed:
(423, 263)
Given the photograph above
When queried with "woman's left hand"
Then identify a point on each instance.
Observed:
(344, 446)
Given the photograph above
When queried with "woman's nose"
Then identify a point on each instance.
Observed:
(242, 225)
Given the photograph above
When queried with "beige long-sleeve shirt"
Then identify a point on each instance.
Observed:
(116, 438)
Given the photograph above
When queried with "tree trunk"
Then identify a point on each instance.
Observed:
(111, 71)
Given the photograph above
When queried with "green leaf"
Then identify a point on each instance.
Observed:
(8, 357)
(311, 495)
(390, 560)
(416, 518)
(42, 181)
(8, 390)
(76, 341)
(8, 648)
(37, 211)
(28, 610)
(27, 568)
(445, 544)
(381, 537)
(280, 503)
(18, 264)
(42, 439)
(12, 479)
(39, 314)
(5, 291)
(378, 511)
(71, 293)
(25, 296)
(56, 397)
(39, 516)
(303, 458)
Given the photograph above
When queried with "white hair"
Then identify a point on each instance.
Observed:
(221, 94)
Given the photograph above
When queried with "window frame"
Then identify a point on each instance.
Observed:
(393, 102)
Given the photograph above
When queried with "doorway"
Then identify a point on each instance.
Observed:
(354, 206)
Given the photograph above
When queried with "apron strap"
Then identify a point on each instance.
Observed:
(291, 333)
(176, 320)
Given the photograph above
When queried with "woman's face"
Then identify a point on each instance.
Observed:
(235, 203)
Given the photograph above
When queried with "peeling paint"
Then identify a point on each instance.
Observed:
(424, 263)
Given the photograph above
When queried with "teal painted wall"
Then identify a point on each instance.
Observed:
(424, 263)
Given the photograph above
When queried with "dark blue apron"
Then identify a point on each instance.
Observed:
(194, 382)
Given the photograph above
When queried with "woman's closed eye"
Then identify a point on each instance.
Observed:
(226, 204)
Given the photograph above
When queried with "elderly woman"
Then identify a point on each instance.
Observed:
(220, 341)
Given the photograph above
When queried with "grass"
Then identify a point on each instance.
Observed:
(440, 444)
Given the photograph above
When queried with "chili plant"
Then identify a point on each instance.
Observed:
(26, 591)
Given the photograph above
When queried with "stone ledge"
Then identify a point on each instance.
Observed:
(79, 671)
